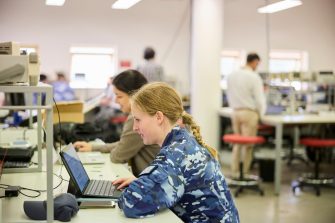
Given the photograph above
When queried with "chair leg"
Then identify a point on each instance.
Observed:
(241, 171)
(317, 189)
(292, 156)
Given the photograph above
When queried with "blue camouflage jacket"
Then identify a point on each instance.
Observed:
(185, 178)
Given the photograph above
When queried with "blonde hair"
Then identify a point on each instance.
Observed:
(159, 96)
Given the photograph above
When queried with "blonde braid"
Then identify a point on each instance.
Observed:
(188, 120)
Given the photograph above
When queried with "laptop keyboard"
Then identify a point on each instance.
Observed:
(100, 188)
(16, 164)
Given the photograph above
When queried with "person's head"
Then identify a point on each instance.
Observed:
(156, 108)
(253, 60)
(43, 78)
(124, 84)
(149, 53)
(61, 76)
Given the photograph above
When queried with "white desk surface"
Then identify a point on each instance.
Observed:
(12, 208)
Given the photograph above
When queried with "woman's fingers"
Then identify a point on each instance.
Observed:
(119, 180)
(125, 181)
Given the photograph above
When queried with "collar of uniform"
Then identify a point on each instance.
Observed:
(176, 133)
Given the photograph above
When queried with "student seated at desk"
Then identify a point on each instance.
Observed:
(130, 148)
(62, 89)
(185, 175)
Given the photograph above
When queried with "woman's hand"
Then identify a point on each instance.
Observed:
(82, 146)
(124, 181)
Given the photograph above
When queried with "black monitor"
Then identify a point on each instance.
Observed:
(14, 99)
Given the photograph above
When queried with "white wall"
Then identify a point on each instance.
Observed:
(88, 22)
(309, 27)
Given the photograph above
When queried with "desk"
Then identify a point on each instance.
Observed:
(279, 121)
(12, 208)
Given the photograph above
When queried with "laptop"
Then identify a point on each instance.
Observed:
(84, 186)
(275, 109)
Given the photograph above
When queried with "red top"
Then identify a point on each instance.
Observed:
(239, 139)
(316, 142)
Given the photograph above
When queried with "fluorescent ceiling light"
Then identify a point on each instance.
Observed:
(55, 2)
(124, 4)
(278, 6)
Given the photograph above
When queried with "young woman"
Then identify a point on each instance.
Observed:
(185, 176)
(130, 148)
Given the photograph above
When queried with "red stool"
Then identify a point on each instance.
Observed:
(315, 180)
(265, 129)
(244, 182)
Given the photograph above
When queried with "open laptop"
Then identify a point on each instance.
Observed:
(85, 187)
(275, 109)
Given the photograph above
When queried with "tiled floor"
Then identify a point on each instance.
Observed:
(305, 207)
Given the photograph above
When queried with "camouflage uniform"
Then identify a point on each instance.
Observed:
(185, 178)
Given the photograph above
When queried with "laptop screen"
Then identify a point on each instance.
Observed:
(75, 167)
(274, 109)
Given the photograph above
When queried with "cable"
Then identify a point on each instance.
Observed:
(28, 189)
(5, 186)
(2, 162)
(59, 124)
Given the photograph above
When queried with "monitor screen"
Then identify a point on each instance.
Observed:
(75, 167)
(14, 99)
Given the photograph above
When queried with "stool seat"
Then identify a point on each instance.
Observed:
(315, 180)
(265, 128)
(244, 182)
(315, 142)
(239, 139)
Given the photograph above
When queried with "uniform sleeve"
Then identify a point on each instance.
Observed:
(129, 145)
(159, 186)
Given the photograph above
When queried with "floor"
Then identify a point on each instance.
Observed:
(304, 207)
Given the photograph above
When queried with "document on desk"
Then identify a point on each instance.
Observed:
(91, 157)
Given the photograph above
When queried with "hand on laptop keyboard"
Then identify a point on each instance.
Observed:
(123, 182)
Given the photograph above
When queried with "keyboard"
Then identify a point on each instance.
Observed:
(100, 188)
(16, 164)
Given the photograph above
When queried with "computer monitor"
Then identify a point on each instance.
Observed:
(15, 99)
(326, 76)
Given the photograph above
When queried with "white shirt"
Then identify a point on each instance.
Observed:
(152, 71)
(245, 90)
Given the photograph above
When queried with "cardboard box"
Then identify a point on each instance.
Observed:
(69, 111)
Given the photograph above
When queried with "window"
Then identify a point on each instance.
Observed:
(28, 48)
(91, 67)
(231, 60)
(285, 61)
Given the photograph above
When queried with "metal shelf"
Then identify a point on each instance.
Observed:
(48, 107)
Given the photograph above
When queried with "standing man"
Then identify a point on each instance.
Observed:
(150, 69)
(246, 96)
